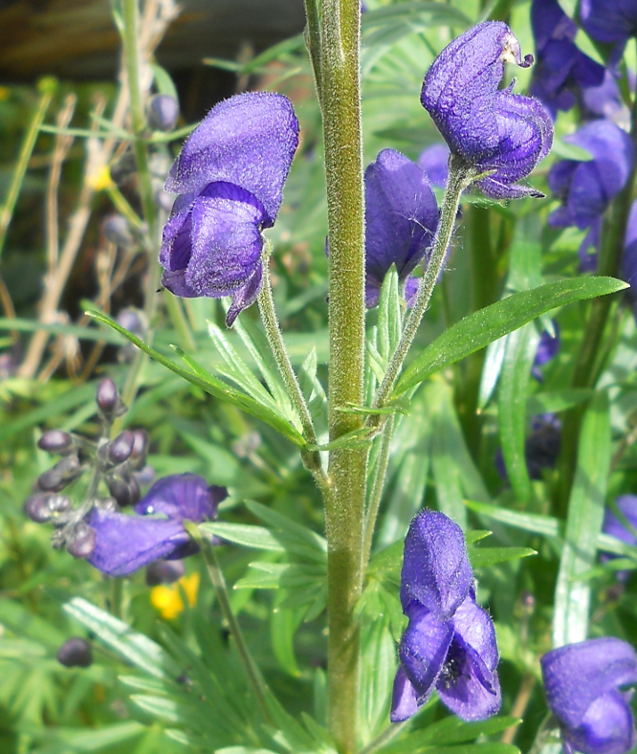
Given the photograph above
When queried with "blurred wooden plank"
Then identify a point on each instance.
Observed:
(76, 38)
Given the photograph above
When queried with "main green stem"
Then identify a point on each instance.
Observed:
(461, 175)
(344, 509)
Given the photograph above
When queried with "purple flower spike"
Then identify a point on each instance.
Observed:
(547, 350)
(562, 69)
(582, 685)
(491, 129)
(587, 188)
(449, 644)
(125, 543)
(401, 217)
(229, 177)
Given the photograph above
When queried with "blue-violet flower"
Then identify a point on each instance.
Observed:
(612, 21)
(401, 216)
(491, 129)
(125, 543)
(562, 69)
(547, 349)
(229, 177)
(582, 684)
(615, 527)
(449, 644)
(434, 160)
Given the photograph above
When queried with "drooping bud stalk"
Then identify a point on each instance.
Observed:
(63, 473)
(56, 441)
(121, 448)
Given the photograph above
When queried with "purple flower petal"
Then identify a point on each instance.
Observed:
(182, 496)
(435, 162)
(627, 504)
(609, 20)
(246, 295)
(436, 569)
(577, 674)
(629, 260)
(404, 701)
(248, 140)
(607, 727)
(401, 218)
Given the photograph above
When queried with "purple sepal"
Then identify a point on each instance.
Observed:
(249, 140)
(629, 260)
(125, 543)
(436, 569)
(582, 683)
(401, 216)
(547, 349)
(614, 527)
(404, 702)
(609, 20)
(435, 162)
(489, 128)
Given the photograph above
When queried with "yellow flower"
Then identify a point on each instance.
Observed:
(102, 179)
(167, 599)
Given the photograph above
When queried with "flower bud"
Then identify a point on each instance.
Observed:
(163, 112)
(117, 231)
(36, 508)
(107, 504)
(75, 653)
(164, 572)
(56, 441)
(58, 503)
(140, 449)
(121, 447)
(145, 475)
(64, 472)
(125, 491)
(108, 399)
(81, 542)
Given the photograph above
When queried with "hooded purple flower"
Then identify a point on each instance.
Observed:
(401, 216)
(547, 350)
(605, 101)
(629, 260)
(612, 21)
(582, 685)
(615, 527)
(587, 188)
(229, 177)
(562, 69)
(450, 642)
(541, 448)
(125, 543)
(435, 162)
(491, 129)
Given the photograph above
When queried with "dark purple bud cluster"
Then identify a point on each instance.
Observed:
(114, 463)
(117, 230)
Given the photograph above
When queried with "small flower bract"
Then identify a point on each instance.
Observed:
(491, 129)
(449, 644)
(229, 177)
(582, 684)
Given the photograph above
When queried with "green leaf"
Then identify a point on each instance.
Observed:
(297, 539)
(389, 315)
(135, 647)
(164, 82)
(244, 534)
(211, 384)
(481, 557)
(514, 380)
(82, 333)
(583, 524)
(491, 368)
(560, 400)
(483, 327)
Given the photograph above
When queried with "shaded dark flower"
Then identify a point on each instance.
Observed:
(75, 653)
(125, 543)
(605, 101)
(629, 260)
(582, 685)
(587, 187)
(435, 162)
(541, 448)
(449, 644)
(491, 129)
(562, 69)
(613, 21)
(229, 177)
(615, 527)
(163, 111)
(547, 350)
(401, 216)
(164, 572)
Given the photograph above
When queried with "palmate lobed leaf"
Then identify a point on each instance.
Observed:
(479, 329)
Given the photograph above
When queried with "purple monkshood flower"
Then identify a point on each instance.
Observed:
(629, 261)
(605, 101)
(435, 162)
(125, 543)
(229, 177)
(541, 448)
(547, 350)
(449, 644)
(587, 188)
(615, 527)
(582, 685)
(489, 128)
(611, 21)
(401, 216)
(562, 68)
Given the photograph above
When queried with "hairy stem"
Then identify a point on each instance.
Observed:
(344, 510)
(461, 175)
